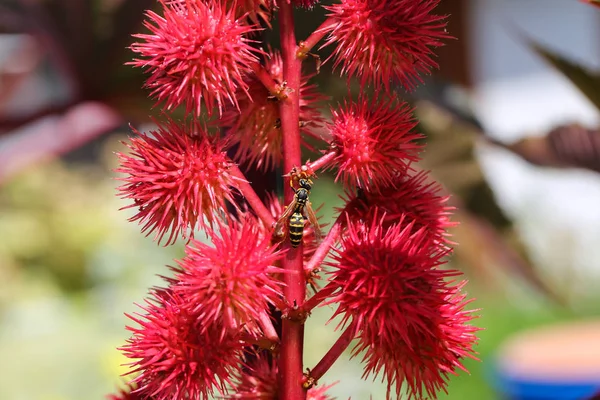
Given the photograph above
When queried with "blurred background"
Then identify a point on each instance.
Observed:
(511, 121)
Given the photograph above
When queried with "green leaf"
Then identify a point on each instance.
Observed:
(588, 82)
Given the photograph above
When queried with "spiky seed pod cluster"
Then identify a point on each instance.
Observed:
(191, 335)
(387, 275)
(192, 338)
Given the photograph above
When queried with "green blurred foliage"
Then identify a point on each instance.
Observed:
(70, 266)
(50, 224)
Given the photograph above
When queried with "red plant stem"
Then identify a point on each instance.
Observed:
(266, 79)
(252, 198)
(319, 297)
(267, 326)
(315, 37)
(292, 337)
(323, 249)
(322, 161)
(332, 355)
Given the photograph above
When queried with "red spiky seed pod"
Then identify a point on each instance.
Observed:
(176, 356)
(411, 322)
(178, 177)
(230, 282)
(433, 348)
(373, 142)
(413, 198)
(383, 40)
(259, 381)
(197, 52)
(255, 125)
(254, 10)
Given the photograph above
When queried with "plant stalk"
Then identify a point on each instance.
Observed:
(322, 161)
(319, 297)
(290, 360)
(321, 253)
(315, 37)
(331, 356)
(274, 88)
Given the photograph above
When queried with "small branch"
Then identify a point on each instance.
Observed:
(276, 89)
(315, 262)
(252, 198)
(319, 297)
(267, 326)
(305, 46)
(317, 259)
(328, 359)
(321, 162)
(262, 343)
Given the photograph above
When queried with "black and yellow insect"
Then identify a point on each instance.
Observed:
(293, 215)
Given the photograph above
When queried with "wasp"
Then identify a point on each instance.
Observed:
(293, 215)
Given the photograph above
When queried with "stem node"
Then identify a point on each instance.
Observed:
(308, 381)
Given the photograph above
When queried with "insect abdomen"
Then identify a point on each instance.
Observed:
(296, 229)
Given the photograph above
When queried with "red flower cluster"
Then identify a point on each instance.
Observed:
(207, 332)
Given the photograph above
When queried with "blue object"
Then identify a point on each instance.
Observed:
(523, 388)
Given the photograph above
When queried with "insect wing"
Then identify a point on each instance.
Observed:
(312, 217)
(282, 221)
